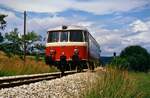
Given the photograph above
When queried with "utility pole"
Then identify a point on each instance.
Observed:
(25, 36)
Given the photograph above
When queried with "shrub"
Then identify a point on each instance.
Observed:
(120, 63)
(138, 58)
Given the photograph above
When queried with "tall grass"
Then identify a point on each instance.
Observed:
(15, 66)
(143, 82)
(113, 84)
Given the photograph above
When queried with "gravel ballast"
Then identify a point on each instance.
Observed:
(71, 86)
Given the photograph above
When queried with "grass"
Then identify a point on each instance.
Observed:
(15, 66)
(143, 82)
(119, 84)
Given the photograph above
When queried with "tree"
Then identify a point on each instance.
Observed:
(14, 42)
(30, 38)
(138, 58)
(1, 38)
(2, 21)
(2, 26)
(13, 36)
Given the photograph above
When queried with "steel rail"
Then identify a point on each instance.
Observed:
(12, 81)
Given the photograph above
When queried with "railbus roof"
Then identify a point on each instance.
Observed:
(68, 27)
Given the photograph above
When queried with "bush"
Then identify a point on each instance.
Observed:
(138, 58)
(120, 63)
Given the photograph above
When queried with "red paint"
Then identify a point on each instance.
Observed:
(68, 50)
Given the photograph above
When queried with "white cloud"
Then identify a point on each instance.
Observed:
(142, 29)
(109, 40)
(94, 6)
(139, 26)
(40, 25)
(12, 21)
(43, 24)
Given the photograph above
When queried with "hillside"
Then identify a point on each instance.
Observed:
(106, 60)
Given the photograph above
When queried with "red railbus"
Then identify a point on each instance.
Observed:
(68, 41)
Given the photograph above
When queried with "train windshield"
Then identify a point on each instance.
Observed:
(53, 37)
(76, 36)
(64, 36)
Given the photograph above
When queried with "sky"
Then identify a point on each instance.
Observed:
(115, 24)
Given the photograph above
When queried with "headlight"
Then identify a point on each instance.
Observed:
(52, 51)
(76, 51)
(62, 53)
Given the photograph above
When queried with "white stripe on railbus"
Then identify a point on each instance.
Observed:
(67, 44)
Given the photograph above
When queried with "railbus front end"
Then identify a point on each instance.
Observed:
(74, 43)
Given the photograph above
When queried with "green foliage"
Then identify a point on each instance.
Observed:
(31, 37)
(13, 36)
(15, 42)
(40, 46)
(120, 63)
(133, 58)
(2, 21)
(7, 48)
(138, 58)
(1, 38)
(133, 51)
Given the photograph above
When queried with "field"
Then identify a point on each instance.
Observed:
(15, 66)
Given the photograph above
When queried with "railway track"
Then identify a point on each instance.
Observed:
(12, 81)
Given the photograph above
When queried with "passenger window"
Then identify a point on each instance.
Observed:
(76, 36)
